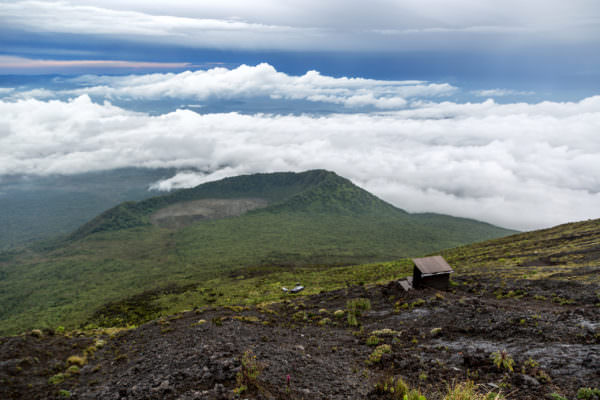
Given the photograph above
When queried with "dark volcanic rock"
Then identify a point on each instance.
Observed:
(179, 358)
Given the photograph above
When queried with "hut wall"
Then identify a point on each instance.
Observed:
(417, 277)
(437, 281)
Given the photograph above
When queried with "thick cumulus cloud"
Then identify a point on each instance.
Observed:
(260, 80)
(517, 165)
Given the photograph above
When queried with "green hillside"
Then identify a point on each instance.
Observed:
(565, 252)
(314, 218)
(275, 188)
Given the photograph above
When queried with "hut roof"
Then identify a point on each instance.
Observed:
(432, 265)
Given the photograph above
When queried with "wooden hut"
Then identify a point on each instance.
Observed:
(431, 272)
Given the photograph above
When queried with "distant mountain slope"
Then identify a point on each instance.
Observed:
(315, 217)
(40, 207)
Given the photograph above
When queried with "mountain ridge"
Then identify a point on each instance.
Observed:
(314, 191)
(273, 187)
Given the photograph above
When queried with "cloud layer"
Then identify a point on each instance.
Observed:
(22, 65)
(331, 25)
(518, 165)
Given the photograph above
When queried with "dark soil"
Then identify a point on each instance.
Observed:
(555, 346)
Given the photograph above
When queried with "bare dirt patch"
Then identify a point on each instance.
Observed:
(186, 213)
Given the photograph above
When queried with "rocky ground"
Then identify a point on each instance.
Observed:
(300, 349)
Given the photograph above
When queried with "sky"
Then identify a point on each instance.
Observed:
(481, 109)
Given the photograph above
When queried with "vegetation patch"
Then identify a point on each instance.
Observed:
(247, 377)
(466, 391)
(56, 379)
(372, 340)
(379, 351)
(76, 360)
(395, 388)
(502, 360)
(588, 393)
(385, 332)
(355, 308)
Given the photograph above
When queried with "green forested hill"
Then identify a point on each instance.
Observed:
(312, 218)
(315, 191)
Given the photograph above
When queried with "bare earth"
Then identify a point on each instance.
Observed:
(186, 213)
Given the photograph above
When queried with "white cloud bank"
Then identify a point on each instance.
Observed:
(261, 80)
(517, 165)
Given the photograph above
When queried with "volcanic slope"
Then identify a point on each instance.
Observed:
(528, 335)
(315, 217)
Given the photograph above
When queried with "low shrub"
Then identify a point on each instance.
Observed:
(300, 316)
(247, 377)
(355, 308)
(352, 320)
(372, 340)
(588, 394)
(56, 379)
(385, 332)
(73, 370)
(466, 391)
(360, 304)
(502, 360)
(417, 303)
(76, 360)
(396, 389)
(379, 351)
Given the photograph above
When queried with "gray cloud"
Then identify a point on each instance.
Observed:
(331, 25)
(20, 65)
(518, 165)
(96, 19)
(501, 92)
